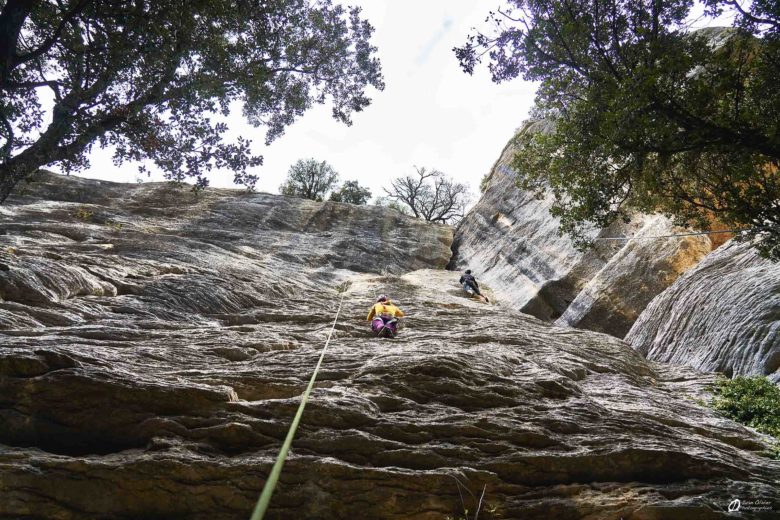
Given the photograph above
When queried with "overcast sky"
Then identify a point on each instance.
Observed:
(430, 114)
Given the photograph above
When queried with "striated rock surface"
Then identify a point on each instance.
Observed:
(723, 316)
(510, 241)
(613, 298)
(150, 370)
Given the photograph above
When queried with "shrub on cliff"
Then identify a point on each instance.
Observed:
(309, 179)
(352, 193)
(150, 78)
(648, 116)
(387, 202)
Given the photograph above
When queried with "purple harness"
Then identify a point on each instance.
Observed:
(384, 326)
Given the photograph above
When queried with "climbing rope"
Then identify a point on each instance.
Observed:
(691, 234)
(273, 478)
(655, 237)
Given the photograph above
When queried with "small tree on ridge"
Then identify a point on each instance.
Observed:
(352, 193)
(309, 179)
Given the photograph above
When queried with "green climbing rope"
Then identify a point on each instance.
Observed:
(265, 497)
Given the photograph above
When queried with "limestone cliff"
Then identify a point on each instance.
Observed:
(613, 298)
(510, 240)
(723, 315)
(155, 345)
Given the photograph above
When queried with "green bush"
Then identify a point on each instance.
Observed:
(82, 213)
(483, 184)
(754, 401)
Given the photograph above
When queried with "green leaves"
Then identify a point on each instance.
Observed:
(155, 79)
(351, 193)
(309, 179)
(647, 116)
(754, 401)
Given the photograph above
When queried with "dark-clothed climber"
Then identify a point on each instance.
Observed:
(470, 284)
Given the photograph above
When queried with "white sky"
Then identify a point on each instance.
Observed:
(430, 114)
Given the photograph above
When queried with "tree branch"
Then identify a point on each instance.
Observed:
(49, 42)
(9, 143)
(12, 18)
(750, 16)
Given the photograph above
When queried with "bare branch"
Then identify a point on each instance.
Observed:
(431, 196)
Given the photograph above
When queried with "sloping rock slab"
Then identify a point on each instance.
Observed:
(169, 397)
(553, 423)
(511, 242)
(723, 316)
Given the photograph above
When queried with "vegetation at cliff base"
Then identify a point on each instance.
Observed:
(754, 401)
(648, 115)
(155, 80)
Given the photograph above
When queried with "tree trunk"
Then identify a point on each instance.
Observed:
(14, 13)
(43, 151)
(13, 171)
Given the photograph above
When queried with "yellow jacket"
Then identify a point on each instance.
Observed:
(385, 309)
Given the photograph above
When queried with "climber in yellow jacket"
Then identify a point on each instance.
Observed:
(384, 317)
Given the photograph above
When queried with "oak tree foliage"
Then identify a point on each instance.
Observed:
(648, 115)
(352, 193)
(155, 80)
(309, 179)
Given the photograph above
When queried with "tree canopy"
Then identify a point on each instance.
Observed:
(156, 79)
(309, 179)
(648, 115)
(430, 195)
(352, 193)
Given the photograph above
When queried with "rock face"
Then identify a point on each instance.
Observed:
(723, 315)
(612, 299)
(511, 242)
(151, 370)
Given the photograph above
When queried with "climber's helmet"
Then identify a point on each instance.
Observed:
(468, 271)
(382, 298)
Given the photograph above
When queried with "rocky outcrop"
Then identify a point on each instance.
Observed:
(510, 241)
(155, 346)
(172, 248)
(613, 298)
(723, 315)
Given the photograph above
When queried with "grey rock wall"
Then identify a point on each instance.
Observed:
(512, 243)
(613, 298)
(80, 237)
(723, 315)
(151, 370)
